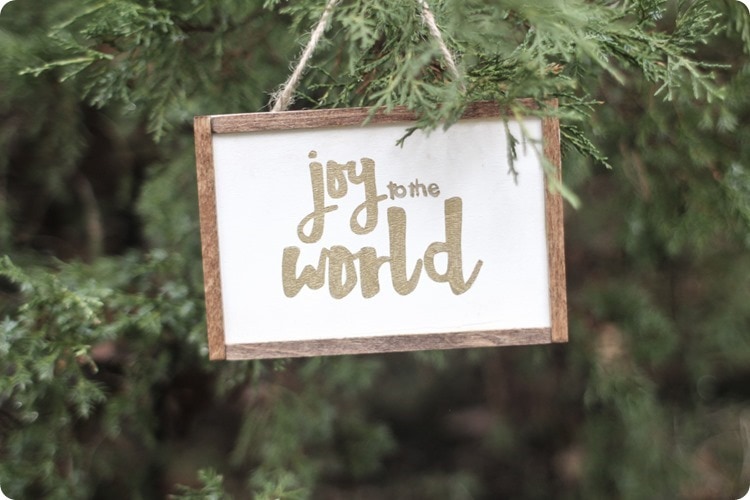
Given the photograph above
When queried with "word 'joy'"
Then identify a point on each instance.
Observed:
(335, 181)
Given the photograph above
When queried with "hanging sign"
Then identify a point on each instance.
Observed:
(322, 236)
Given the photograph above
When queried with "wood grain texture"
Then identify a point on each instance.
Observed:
(209, 236)
(317, 118)
(395, 343)
(555, 234)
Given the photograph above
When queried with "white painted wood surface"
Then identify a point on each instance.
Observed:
(263, 191)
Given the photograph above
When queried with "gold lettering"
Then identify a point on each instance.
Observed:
(369, 271)
(397, 234)
(370, 205)
(317, 216)
(340, 264)
(452, 246)
(310, 276)
(342, 271)
(335, 178)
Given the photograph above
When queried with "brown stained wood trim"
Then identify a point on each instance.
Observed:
(204, 158)
(317, 118)
(395, 343)
(206, 126)
(555, 234)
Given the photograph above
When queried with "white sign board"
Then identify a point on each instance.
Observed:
(322, 236)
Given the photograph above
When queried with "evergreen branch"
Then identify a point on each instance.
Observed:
(78, 63)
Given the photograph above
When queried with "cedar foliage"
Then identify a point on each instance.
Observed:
(106, 389)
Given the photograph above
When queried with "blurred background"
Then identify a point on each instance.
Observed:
(106, 390)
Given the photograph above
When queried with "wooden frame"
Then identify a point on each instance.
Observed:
(206, 127)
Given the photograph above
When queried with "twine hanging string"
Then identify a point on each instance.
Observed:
(429, 20)
(283, 98)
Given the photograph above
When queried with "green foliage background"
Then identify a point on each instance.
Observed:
(105, 387)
